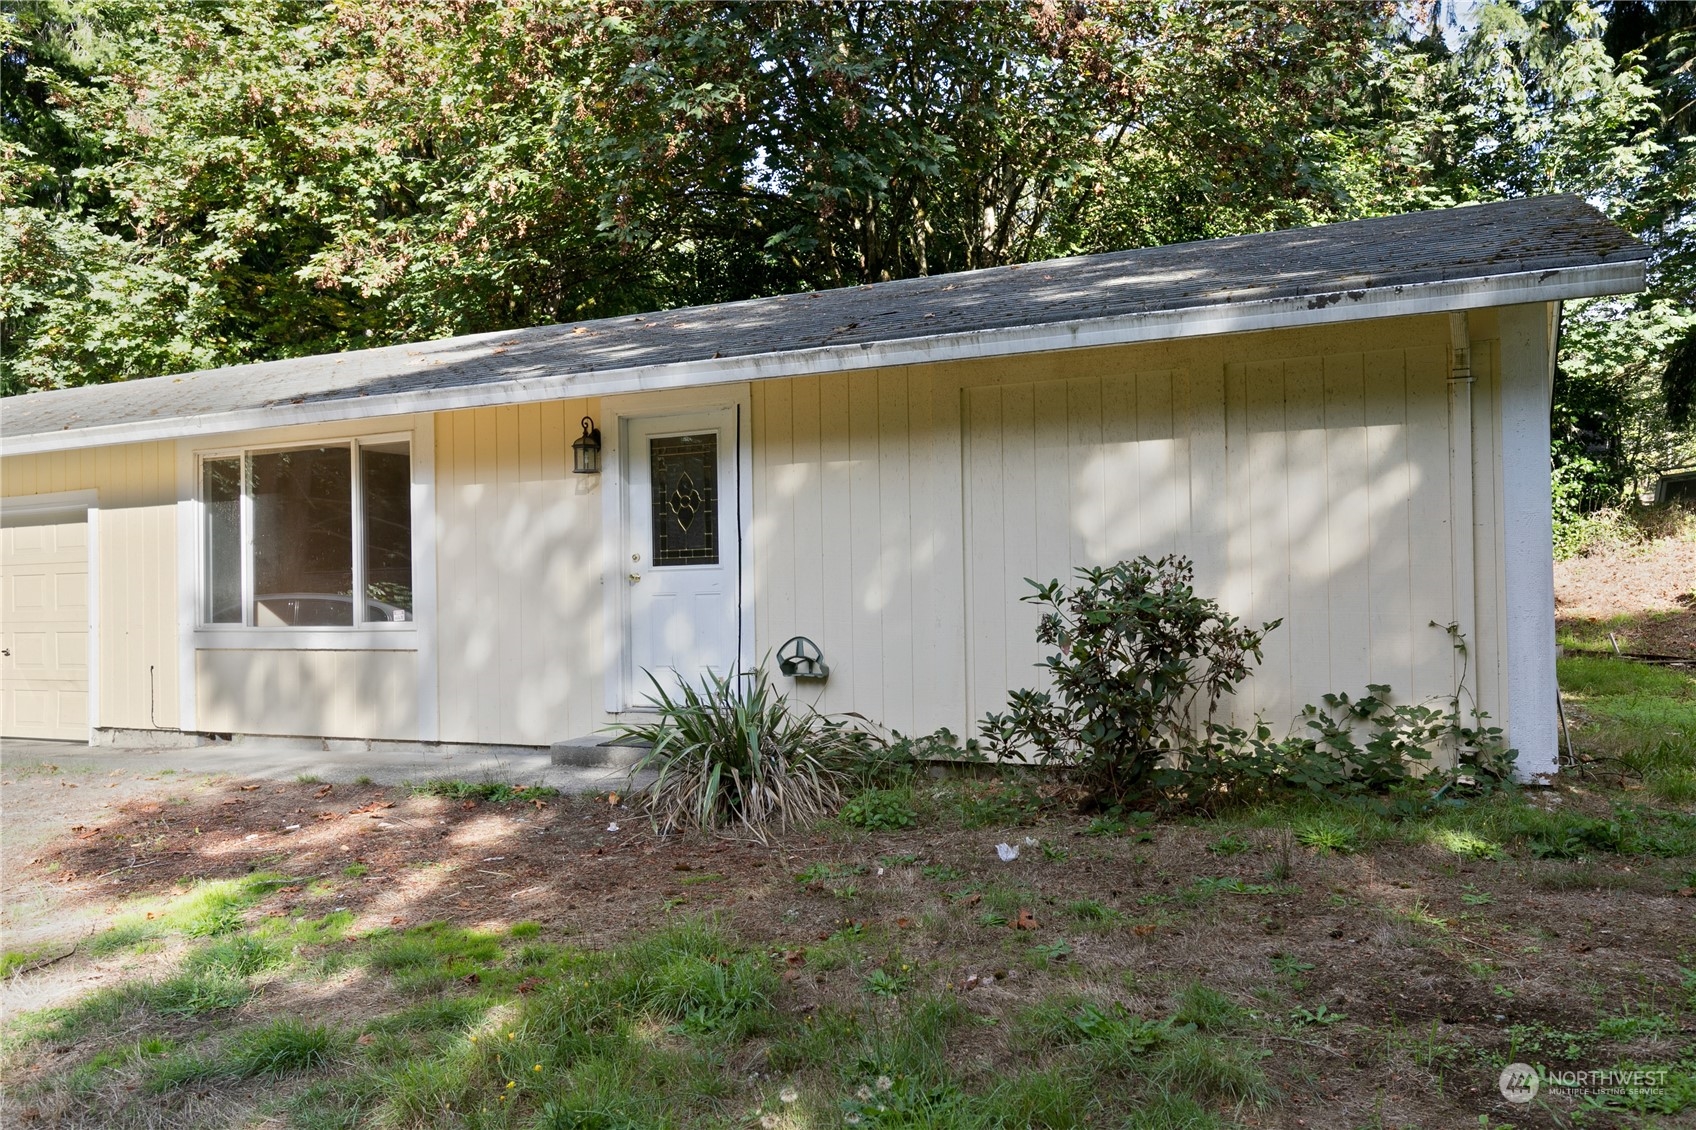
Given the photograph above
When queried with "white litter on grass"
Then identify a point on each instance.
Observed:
(613, 827)
(292, 828)
(1007, 852)
(1031, 841)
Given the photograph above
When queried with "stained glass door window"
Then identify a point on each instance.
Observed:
(684, 481)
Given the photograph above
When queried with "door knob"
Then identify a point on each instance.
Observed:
(634, 577)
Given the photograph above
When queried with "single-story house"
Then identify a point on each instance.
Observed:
(491, 539)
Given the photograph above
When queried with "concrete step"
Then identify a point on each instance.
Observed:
(597, 751)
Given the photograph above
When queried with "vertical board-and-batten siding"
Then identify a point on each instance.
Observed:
(137, 585)
(856, 539)
(521, 643)
(898, 513)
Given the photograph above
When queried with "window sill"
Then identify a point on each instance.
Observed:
(307, 639)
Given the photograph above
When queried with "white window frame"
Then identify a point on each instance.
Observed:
(374, 634)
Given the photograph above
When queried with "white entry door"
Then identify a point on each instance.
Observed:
(682, 550)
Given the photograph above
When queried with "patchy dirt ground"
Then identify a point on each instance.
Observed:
(1430, 962)
(1653, 586)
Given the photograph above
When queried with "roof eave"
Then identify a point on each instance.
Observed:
(1329, 308)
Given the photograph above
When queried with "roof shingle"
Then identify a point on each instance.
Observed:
(1322, 264)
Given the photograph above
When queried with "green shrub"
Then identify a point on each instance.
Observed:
(894, 762)
(1139, 666)
(880, 810)
(731, 752)
(1368, 750)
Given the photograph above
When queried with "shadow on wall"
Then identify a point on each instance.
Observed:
(1313, 490)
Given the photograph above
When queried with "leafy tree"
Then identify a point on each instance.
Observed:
(243, 179)
(183, 186)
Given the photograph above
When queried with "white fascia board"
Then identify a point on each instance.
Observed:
(1329, 308)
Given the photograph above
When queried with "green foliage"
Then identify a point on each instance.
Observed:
(887, 810)
(1325, 835)
(1006, 802)
(827, 873)
(240, 956)
(1092, 911)
(1582, 528)
(1381, 773)
(732, 753)
(1636, 718)
(14, 961)
(282, 1047)
(885, 982)
(1140, 665)
(196, 992)
(209, 908)
(495, 792)
(1229, 844)
(896, 761)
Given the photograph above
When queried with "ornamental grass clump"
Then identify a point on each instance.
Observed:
(731, 753)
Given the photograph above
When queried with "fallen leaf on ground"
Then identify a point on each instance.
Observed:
(247, 788)
(323, 792)
(1025, 921)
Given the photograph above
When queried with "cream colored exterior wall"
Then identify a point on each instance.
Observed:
(898, 513)
(135, 573)
(339, 694)
(895, 516)
(522, 639)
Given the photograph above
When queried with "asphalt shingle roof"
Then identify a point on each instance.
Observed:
(1541, 237)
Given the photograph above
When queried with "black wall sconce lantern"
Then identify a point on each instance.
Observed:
(800, 658)
(586, 451)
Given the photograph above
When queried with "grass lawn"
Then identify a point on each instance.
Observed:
(291, 954)
(1636, 721)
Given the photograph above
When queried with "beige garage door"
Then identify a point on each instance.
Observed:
(44, 629)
